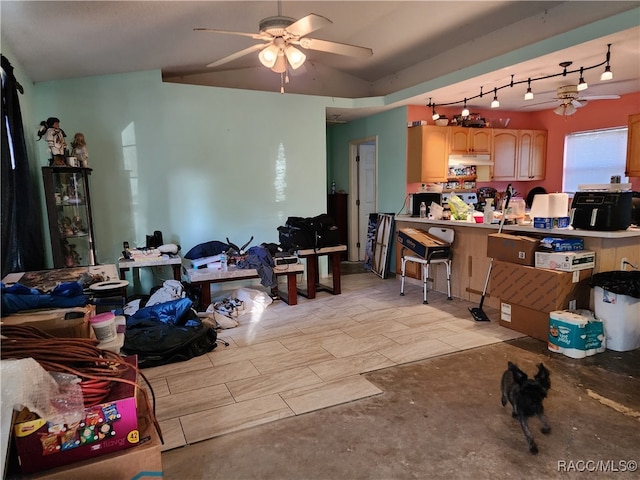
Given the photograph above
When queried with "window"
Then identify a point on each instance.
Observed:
(594, 157)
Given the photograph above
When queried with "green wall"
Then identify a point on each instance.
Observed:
(197, 163)
(390, 129)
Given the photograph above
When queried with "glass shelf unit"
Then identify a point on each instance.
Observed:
(69, 212)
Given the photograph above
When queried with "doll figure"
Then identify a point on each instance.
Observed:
(54, 136)
(80, 151)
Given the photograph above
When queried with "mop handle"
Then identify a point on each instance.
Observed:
(506, 206)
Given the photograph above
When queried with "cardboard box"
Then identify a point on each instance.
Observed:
(141, 462)
(525, 320)
(59, 322)
(421, 243)
(549, 223)
(540, 289)
(566, 261)
(575, 335)
(555, 244)
(107, 427)
(512, 248)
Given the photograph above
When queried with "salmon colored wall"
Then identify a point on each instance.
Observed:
(595, 115)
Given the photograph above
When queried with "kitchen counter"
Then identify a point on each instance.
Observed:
(470, 262)
(524, 229)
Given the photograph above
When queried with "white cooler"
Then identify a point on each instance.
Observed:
(621, 317)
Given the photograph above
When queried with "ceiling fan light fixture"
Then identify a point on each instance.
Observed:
(565, 110)
(268, 56)
(296, 57)
(280, 65)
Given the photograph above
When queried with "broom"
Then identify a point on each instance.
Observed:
(476, 312)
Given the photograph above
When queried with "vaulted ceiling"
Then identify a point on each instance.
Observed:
(443, 50)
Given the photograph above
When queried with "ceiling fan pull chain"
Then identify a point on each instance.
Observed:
(282, 82)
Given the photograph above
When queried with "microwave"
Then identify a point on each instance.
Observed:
(415, 199)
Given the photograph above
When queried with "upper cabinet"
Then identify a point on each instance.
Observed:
(519, 154)
(427, 154)
(633, 147)
(505, 151)
(464, 140)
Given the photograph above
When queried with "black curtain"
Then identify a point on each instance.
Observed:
(22, 240)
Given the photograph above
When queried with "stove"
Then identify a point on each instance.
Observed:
(467, 196)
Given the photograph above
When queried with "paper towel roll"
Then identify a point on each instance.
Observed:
(558, 204)
(540, 206)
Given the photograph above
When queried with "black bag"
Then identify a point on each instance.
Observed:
(300, 233)
(159, 343)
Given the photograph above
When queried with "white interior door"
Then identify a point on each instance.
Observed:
(363, 160)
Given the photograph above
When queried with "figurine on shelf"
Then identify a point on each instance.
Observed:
(78, 224)
(55, 138)
(71, 256)
(65, 226)
(79, 145)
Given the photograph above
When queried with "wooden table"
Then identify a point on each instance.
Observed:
(174, 261)
(204, 277)
(313, 275)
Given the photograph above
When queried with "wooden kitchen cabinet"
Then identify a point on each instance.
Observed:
(519, 154)
(427, 154)
(465, 140)
(633, 147)
(505, 151)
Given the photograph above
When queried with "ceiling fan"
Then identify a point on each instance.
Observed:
(571, 99)
(281, 35)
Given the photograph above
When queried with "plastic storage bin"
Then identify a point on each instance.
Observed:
(617, 304)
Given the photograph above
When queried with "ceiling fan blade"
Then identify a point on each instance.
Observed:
(239, 54)
(255, 36)
(334, 47)
(600, 97)
(308, 24)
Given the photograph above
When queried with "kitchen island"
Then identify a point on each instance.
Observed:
(470, 262)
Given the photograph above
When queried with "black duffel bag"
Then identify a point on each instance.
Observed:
(301, 233)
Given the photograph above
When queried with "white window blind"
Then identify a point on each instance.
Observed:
(594, 157)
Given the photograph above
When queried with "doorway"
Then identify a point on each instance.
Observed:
(363, 160)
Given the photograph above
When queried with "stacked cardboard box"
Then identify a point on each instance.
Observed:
(529, 294)
(512, 248)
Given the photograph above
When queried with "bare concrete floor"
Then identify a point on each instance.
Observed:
(442, 418)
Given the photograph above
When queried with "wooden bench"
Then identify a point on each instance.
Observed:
(313, 275)
(204, 277)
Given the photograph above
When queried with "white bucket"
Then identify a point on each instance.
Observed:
(104, 326)
(621, 317)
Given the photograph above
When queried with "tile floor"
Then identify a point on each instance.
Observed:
(290, 360)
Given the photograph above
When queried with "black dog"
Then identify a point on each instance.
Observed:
(526, 396)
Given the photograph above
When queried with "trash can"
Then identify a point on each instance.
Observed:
(617, 304)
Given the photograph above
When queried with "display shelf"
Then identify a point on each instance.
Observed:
(69, 213)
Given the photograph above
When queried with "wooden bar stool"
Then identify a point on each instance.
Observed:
(439, 255)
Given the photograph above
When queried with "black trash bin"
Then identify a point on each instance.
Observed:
(617, 304)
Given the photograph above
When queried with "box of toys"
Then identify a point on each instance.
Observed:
(103, 428)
